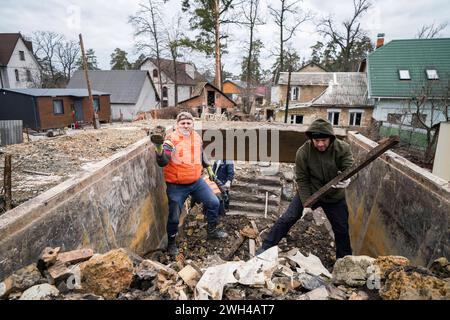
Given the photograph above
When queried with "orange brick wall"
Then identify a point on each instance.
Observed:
(49, 120)
(229, 87)
(221, 100)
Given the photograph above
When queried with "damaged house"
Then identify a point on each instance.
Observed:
(132, 91)
(340, 97)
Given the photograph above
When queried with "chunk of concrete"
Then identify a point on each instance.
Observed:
(107, 274)
(189, 275)
(384, 263)
(310, 282)
(317, 294)
(39, 292)
(352, 270)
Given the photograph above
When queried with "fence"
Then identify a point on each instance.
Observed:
(10, 132)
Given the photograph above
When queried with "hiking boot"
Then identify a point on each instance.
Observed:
(215, 233)
(172, 248)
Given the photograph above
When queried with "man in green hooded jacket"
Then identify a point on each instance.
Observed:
(318, 161)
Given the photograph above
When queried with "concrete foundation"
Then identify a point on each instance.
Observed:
(118, 202)
(397, 208)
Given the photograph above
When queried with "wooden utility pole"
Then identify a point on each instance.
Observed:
(288, 96)
(382, 147)
(86, 73)
(7, 182)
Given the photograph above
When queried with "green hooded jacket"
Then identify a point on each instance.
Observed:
(314, 169)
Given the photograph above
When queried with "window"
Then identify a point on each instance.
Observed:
(415, 120)
(58, 107)
(432, 74)
(404, 75)
(22, 55)
(96, 104)
(29, 77)
(333, 117)
(395, 118)
(297, 119)
(16, 72)
(164, 103)
(155, 73)
(355, 119)
(164, 93)
(295, 93)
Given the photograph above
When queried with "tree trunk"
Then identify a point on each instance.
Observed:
(218, 77)
(247, 107)
(175, 76)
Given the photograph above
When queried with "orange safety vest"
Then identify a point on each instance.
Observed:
(212, 185)
(185, 166)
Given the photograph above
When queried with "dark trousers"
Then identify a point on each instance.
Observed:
(177, 195)
(337, 214)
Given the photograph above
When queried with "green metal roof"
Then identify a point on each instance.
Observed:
(415, 55)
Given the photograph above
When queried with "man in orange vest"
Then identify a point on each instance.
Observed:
(182, 157)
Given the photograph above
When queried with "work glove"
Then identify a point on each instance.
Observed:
(342, 184)
(211, 174)
(227, 184)
(305, 212)
(157, 138)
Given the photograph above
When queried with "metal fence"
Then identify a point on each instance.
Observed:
(10, 132)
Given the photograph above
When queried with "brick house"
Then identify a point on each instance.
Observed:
(42, 109)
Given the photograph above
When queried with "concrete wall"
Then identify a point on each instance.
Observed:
(118, 202)
(441, 166)
(398, 208)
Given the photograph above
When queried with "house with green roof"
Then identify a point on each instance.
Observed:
(402, 72)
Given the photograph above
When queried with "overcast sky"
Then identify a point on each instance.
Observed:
(104, 26)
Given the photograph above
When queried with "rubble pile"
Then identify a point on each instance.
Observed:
(274, 274)
(42, 164)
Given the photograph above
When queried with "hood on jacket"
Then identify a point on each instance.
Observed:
(321, 126)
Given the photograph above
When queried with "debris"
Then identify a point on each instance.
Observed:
(107, 274)
(383, 263)
(317, 294)
(190, 276)
(214, 279)
(352, 270)
(309, 282)
(403, 285)
(310, 264)
(21, 280)
(252, 247)
(441, 267)
(258, 270)
(59, 272)
(75, 256)
(234, 247)
(48, 257)
(39, 292)
(336, 293)
(249, 232)
(360, 295)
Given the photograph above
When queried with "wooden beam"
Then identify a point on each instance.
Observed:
(7, 185)
(234, 247)
(382, 147)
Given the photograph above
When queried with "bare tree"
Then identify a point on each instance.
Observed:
(430, 31)
(46, 48)
(350, 35)
(67, 53)
(252, 20)
(147, 22)
(430, 100)
(175, 42)
(288, 9)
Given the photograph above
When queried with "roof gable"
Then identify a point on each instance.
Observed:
(8, 42)
(124, 85)
(415, 55)
(182, 76)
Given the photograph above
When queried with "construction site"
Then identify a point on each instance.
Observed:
(87, 214)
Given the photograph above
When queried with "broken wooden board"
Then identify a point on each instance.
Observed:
(75, 256)
(373, 154)
(234, 247)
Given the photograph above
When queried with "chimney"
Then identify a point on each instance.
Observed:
(380, 40)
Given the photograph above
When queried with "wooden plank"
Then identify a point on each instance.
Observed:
(75, 256)
(258, 238)
(382, 147)
(234, 247)
(252, 247)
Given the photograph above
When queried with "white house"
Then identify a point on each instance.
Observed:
(132, 91)
(18, 65)
(187, 78)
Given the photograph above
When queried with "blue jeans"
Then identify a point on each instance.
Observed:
(337, 214)
(177, 195)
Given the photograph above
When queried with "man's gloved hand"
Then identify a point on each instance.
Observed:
(211, 174)
(227, 184)
(342, 184)
(306, 211)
